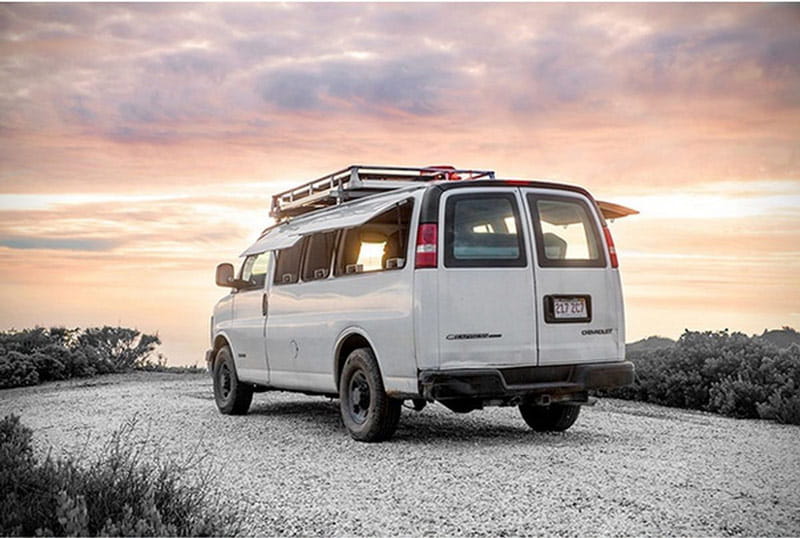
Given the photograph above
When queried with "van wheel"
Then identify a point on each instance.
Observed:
(232, 397)
(368, 413)
(552, 418)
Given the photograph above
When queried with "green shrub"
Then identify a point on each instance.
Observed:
(17, 370)
(736, 397)
(731, 374)
(127, 491)
(124, 348)
(33, 356)
(781, 406)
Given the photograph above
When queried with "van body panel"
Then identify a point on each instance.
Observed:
(487, 313)
(576, 341)
(426, 318)
(221, 322)
(223, 316)
(248, 331)
(306, 318)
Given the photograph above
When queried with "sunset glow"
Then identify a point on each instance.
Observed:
(140, 144)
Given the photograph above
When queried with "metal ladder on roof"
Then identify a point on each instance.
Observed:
(357, 181)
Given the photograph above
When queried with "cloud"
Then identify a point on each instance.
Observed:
(54, 243)
(151, 78)
(416, 85)
(181, 119)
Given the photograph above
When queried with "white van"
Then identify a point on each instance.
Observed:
(380, 285)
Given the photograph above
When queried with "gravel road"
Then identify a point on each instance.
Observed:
(623, 468)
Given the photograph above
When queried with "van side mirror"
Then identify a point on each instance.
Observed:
(225, 276)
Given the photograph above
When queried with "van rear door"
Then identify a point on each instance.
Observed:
(578, 294)
(485, 280)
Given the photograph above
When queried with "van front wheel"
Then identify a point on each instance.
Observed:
(368, 413)
(232, 396)
(552, 418)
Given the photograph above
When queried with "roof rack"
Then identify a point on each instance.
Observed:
(357, 181)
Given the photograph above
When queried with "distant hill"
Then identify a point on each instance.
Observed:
(783, 337)
(650, 343)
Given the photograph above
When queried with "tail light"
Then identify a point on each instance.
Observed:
(612, 251)
(427, 238)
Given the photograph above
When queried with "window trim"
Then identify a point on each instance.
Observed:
(544, 261)
(449, 259)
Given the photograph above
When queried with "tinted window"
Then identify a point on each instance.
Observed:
(287, 270)
(483, 231)
(379, 244)
(317, 262)
(566, 233)
(255, 269)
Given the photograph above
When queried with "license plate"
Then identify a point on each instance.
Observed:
(569, 308)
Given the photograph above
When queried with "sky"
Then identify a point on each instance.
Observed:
(140, 143)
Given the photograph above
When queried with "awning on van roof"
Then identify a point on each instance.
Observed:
(343, 216)
(615, 211)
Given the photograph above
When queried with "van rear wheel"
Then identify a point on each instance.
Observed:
(368, 413)
(551, 418)
(232, 396)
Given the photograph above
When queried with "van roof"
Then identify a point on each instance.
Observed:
(355, 194)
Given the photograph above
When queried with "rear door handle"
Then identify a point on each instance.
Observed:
(264, 304)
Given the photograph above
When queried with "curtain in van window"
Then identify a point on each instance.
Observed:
(287, 270)
(317, 263)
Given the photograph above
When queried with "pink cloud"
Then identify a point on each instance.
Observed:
(183, 118)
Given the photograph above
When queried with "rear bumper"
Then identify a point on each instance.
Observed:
(523, 383)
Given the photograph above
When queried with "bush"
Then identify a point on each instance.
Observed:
(124, 348)
(736, 397)
(36, 355)
(17, 370)
(731, 374)
(124, 492)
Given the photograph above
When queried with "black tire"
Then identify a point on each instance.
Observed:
(551, 418)
(232, 397)
(368, 413)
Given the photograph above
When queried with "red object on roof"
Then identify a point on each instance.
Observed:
(450, 176)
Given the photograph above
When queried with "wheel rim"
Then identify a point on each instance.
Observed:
(224, 381)
(359, 398)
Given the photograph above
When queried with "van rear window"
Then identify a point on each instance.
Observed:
(483, 230)
(566, 232)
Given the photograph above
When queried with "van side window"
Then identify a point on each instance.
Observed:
(287, 270)
(317, 263)
(566, 235)
(380, 244)
(255, 269)
(483, 230)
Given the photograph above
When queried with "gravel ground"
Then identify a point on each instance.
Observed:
(623, 468)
